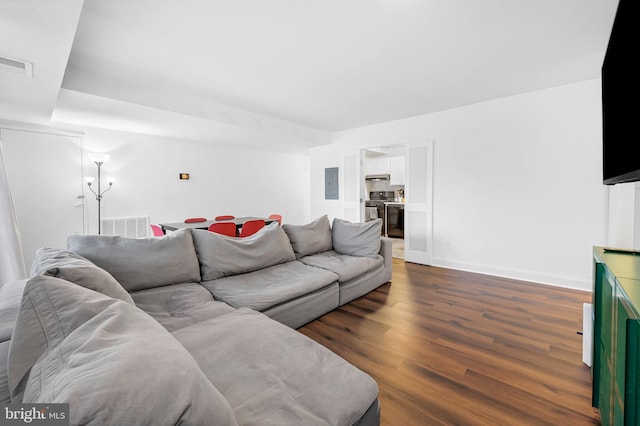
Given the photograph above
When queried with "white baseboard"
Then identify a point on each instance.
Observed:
(522, 275)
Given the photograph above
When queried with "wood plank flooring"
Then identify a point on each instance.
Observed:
(451, 347)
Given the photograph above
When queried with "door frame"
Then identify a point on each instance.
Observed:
(424, 257)
(19, 192)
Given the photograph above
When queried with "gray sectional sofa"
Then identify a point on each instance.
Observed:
(195, 327)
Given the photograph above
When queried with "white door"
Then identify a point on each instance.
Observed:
(45, 177)
(353, 182)
(418, 210)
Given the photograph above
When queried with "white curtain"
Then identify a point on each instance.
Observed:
(11, 257)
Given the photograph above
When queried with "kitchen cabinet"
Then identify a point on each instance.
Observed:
(396, 170)
(616, 342)
(378, 166)
(393, 166)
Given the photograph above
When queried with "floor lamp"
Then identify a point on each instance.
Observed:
(99, 160)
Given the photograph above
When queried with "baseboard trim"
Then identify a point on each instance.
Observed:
(536, 277)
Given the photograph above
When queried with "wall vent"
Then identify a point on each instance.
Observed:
(130, 227)
(16, 66)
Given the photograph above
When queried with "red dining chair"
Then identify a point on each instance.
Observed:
(195, 219)
(225, 217)
(276, 217)
(157, 231)
(224, 228)
(250, 227)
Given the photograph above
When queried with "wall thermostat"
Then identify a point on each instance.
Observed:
(184, 176)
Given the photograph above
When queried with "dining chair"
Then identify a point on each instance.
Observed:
(250, 227)
(277, 217)
(225, 217)
(195, 219)
(157, 231)
(224, 228)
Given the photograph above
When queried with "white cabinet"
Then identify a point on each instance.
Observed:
(393, 166)
(396, 170)
(378, 166)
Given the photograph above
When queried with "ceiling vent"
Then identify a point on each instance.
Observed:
(16, 66)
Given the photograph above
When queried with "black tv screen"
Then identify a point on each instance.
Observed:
(620, 97)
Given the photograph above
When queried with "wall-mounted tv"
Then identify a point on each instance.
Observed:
(621, 97)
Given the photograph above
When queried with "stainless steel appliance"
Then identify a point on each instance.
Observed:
(392, 219)
(378, 177)
(383, 196)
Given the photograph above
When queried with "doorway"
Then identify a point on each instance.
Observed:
(44, 171)
(407, 170)
(397, 248)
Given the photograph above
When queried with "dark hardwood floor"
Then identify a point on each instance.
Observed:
(452, 347)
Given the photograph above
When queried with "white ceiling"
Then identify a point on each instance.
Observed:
(40, 32)
(286, 71)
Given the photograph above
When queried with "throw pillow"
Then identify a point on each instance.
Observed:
(221, 256)
(357, 239)
(312, 238)
(142, 263)
(111, 362)
(78, 270)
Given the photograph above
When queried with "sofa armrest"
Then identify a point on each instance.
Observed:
(386, 252)
(385, 247)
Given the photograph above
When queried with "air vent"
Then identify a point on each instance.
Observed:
(16, 66)
(131, 227)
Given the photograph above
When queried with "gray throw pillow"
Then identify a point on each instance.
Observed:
(221, 256)
(357, 239)
(72, 267)
(312, 238)
(111, 362)
(142, 263)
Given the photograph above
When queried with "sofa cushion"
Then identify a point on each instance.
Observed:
(263, 289)
(314, 237)
(5, 397)
(357, 239)
(144, 262)
(10, 298)
(179, 305)
(273, 375)
(72, 267)
(221, 256)
(100, 355)
(347, 267)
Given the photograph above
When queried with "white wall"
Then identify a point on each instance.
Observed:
(223, 179)
(517, 182)
(321, 158)
(45, 180)
(624, 216)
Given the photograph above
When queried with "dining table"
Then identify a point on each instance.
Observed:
(239, 221)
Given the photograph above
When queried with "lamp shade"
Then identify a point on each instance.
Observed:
(89, 179)
(98, 157)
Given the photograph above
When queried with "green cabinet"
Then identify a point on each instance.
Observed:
(616, 337)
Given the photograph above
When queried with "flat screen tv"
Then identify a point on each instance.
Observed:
(621, 97)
